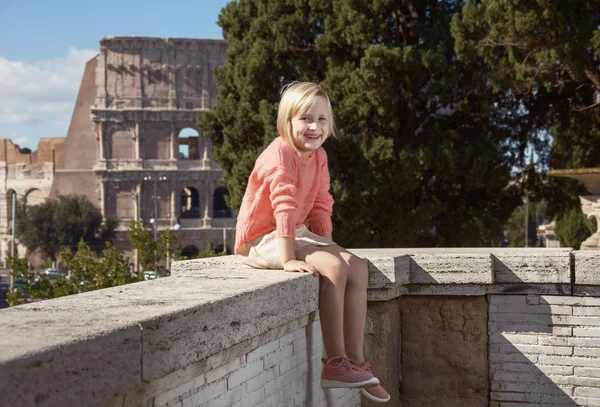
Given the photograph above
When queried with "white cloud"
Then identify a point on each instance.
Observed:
(29, 92)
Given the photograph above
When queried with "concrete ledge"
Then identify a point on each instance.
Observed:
(84, 349)
(455, 271)
(249, 304)
(42, 367)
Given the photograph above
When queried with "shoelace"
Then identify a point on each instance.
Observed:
(344, 362)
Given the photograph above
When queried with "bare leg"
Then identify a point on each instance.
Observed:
(343, 299)
(355, 307)
(332, 269)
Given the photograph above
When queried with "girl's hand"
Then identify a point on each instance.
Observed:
(300, 267)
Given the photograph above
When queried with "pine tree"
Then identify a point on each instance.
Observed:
(422, 157)
(547, 52)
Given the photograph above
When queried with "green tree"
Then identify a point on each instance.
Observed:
(572, 228)
(544, 55)
(421, 159)
(151, 252)
(143, 241)
(532, 43)
(62, 222)
(88, 272)
(537, 215)
(19, 270)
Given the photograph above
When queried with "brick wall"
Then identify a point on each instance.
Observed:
(283, 372)
(544, 351)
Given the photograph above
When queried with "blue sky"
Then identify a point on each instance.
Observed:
(44, 46)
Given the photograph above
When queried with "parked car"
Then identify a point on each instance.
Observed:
(54, 274)
(151, 275)
(19, 285)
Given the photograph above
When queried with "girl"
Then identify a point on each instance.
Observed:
(289, 187)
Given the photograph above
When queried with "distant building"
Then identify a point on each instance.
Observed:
(29, 175)
(547, 236)
(133, 146)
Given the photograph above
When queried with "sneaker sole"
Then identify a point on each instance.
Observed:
(334, 384)
(372, 397)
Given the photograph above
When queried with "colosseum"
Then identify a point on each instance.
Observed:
(133, 146)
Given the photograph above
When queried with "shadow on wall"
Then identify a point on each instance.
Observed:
(529, 353)
(529, 348)
(507, 348)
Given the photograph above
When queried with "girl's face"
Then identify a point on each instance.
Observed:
(311, 129)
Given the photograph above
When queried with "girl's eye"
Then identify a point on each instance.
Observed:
(323, 119)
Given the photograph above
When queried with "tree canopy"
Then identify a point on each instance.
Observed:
(86, 272)
(532, 43)
(546, 55)
(62, 222)
(425, 146)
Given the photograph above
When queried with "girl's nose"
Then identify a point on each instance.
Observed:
(312, 126)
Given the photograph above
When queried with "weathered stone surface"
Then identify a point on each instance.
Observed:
(192, 266)
(450, 268)
(95, 344)
(587, 267)
(382, 346)
(444, 352)
(387, 267)
(457, 271)
(532, 266)
(224, 314)
(55, 354)
(210, 311)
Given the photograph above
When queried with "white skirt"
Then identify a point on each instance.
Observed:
(263, 252)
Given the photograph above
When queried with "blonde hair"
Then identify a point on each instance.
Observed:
(296, 99)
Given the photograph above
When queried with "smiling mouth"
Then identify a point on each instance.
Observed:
(312, 136)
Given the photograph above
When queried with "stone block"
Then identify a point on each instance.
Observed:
(444, 351)
(587, 267)
(450, 268)
(532, 266)
(388, 268)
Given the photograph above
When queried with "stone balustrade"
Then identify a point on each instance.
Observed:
(451, 327)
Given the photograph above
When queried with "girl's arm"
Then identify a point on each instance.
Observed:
(319, 216)
(287, 254)
(286, 249)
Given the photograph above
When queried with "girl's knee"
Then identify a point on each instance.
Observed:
(337, 271)
(358, 269)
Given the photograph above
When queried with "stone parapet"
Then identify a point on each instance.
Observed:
(464, 271)
(83, 349)
(217, 334)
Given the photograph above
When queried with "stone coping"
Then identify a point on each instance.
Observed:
(462, 271)
(84, 349)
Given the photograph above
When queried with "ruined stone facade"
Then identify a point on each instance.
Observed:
(134, 148)
(30, 176)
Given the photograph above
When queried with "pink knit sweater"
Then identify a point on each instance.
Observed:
(285, 191)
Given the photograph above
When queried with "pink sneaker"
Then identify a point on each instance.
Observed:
(340, 372)
(376, 393)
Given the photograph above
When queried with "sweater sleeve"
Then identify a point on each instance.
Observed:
(320, 215)
(284, 202)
